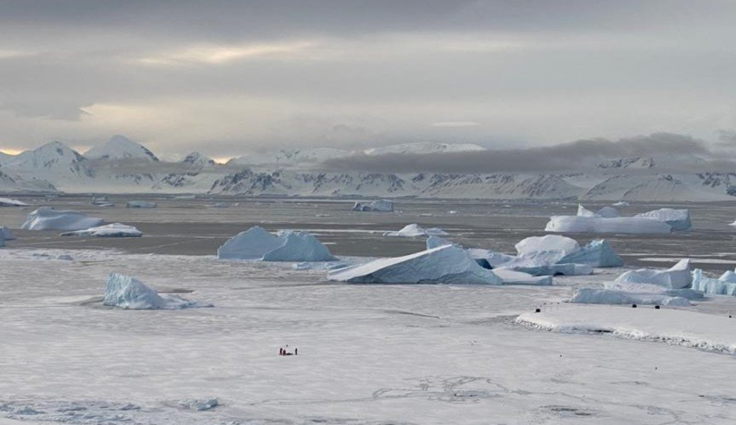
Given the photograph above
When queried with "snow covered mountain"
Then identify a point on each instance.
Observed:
(120, 147)
(424, 148)
(196, 159)
(289, 158)
(53, 158)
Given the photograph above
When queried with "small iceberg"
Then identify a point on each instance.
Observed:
(621, 204)
(677, 219)
(101, 201)
(129, 293)
(6, 233)
(516, 277)
(46, 218)
(375, 206)
(140, 204)
(725, 285)
(445, 264)
(624, 225)
(258, 244)
(676, 277)
(115, 230)
(7, 202)
(413, 231)
(608, 296)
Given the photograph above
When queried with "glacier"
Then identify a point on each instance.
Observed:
(445, 264)
(677, 219)
(382, 205)
(114, 230)
(129, 293)
(678, 276)
(258, 244)
(46, 218)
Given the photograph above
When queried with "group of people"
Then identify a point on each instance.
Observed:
(285, 351)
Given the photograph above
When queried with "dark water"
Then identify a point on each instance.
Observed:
(193, 227)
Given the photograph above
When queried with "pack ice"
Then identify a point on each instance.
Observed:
(115, 230)
(445, 264)
(413, 231)
(140, 204)
(375, 206)
(676, 277)
(258, 244)
(130, 293)
(724, 285)
(677, 219)
(46, 218)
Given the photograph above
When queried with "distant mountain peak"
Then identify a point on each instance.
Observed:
(198, 159)
(120, 147)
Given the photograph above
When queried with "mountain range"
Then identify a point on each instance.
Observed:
(124, 166)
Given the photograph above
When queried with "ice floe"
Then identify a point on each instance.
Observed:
(46, 218)
(129, 293)
(677, 219)
(140, 204)
(258, 244)
(677, 277)
(374, 206)
(445, 264)
(413, 231)
(114, 230)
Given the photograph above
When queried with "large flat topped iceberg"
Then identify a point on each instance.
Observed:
(445, 264)
(579, 224)
(677, 277)
(677, 219)
(258, 244)
(46, 218)
(115, 230)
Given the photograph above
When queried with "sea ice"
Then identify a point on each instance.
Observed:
(115, 230)
(130, 293)
(375, 206)
(140, 204)
(677, 219)
(676, 277)
(413, 231)
(578, 224)
(46, 218)
(258, 244)
(445, 264)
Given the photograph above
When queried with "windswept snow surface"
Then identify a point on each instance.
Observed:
(414, 231)
(46, 218)
(677, 219)
(632, 225)
(446, 264)
(382, 205)
(114, 230)
(678, 276)
(258, 244)
(130, 293)
(368, 354)
(670, 326)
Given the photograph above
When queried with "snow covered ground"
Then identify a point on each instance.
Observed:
(368, 354)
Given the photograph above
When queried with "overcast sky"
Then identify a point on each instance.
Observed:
(225, 77)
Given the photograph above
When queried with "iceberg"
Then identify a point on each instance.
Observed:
(140, 204)
(676, 277)
(607, 212)
(258, 244)
(621, 204)
(7, 202)
(541, 269)
(46, 218)
(436, 242)
(445, 264)
(584, 212)
(489, 259)
(375, 206)
(560, 245)
(6, 233)
(630, 225)
(597, 253)
(413, 231)
(728, 276)
(712, 286)
(608, 296)
(515, 277)
(2, 240)
(130, 293)
(115, 230)
(677, 219)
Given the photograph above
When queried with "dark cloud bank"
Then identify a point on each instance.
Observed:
(671, 152)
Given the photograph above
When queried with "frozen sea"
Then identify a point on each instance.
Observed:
(368, 354)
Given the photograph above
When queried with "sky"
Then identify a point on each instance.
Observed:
(226, 77)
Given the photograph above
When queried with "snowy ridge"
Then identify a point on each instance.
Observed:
(120, 147)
